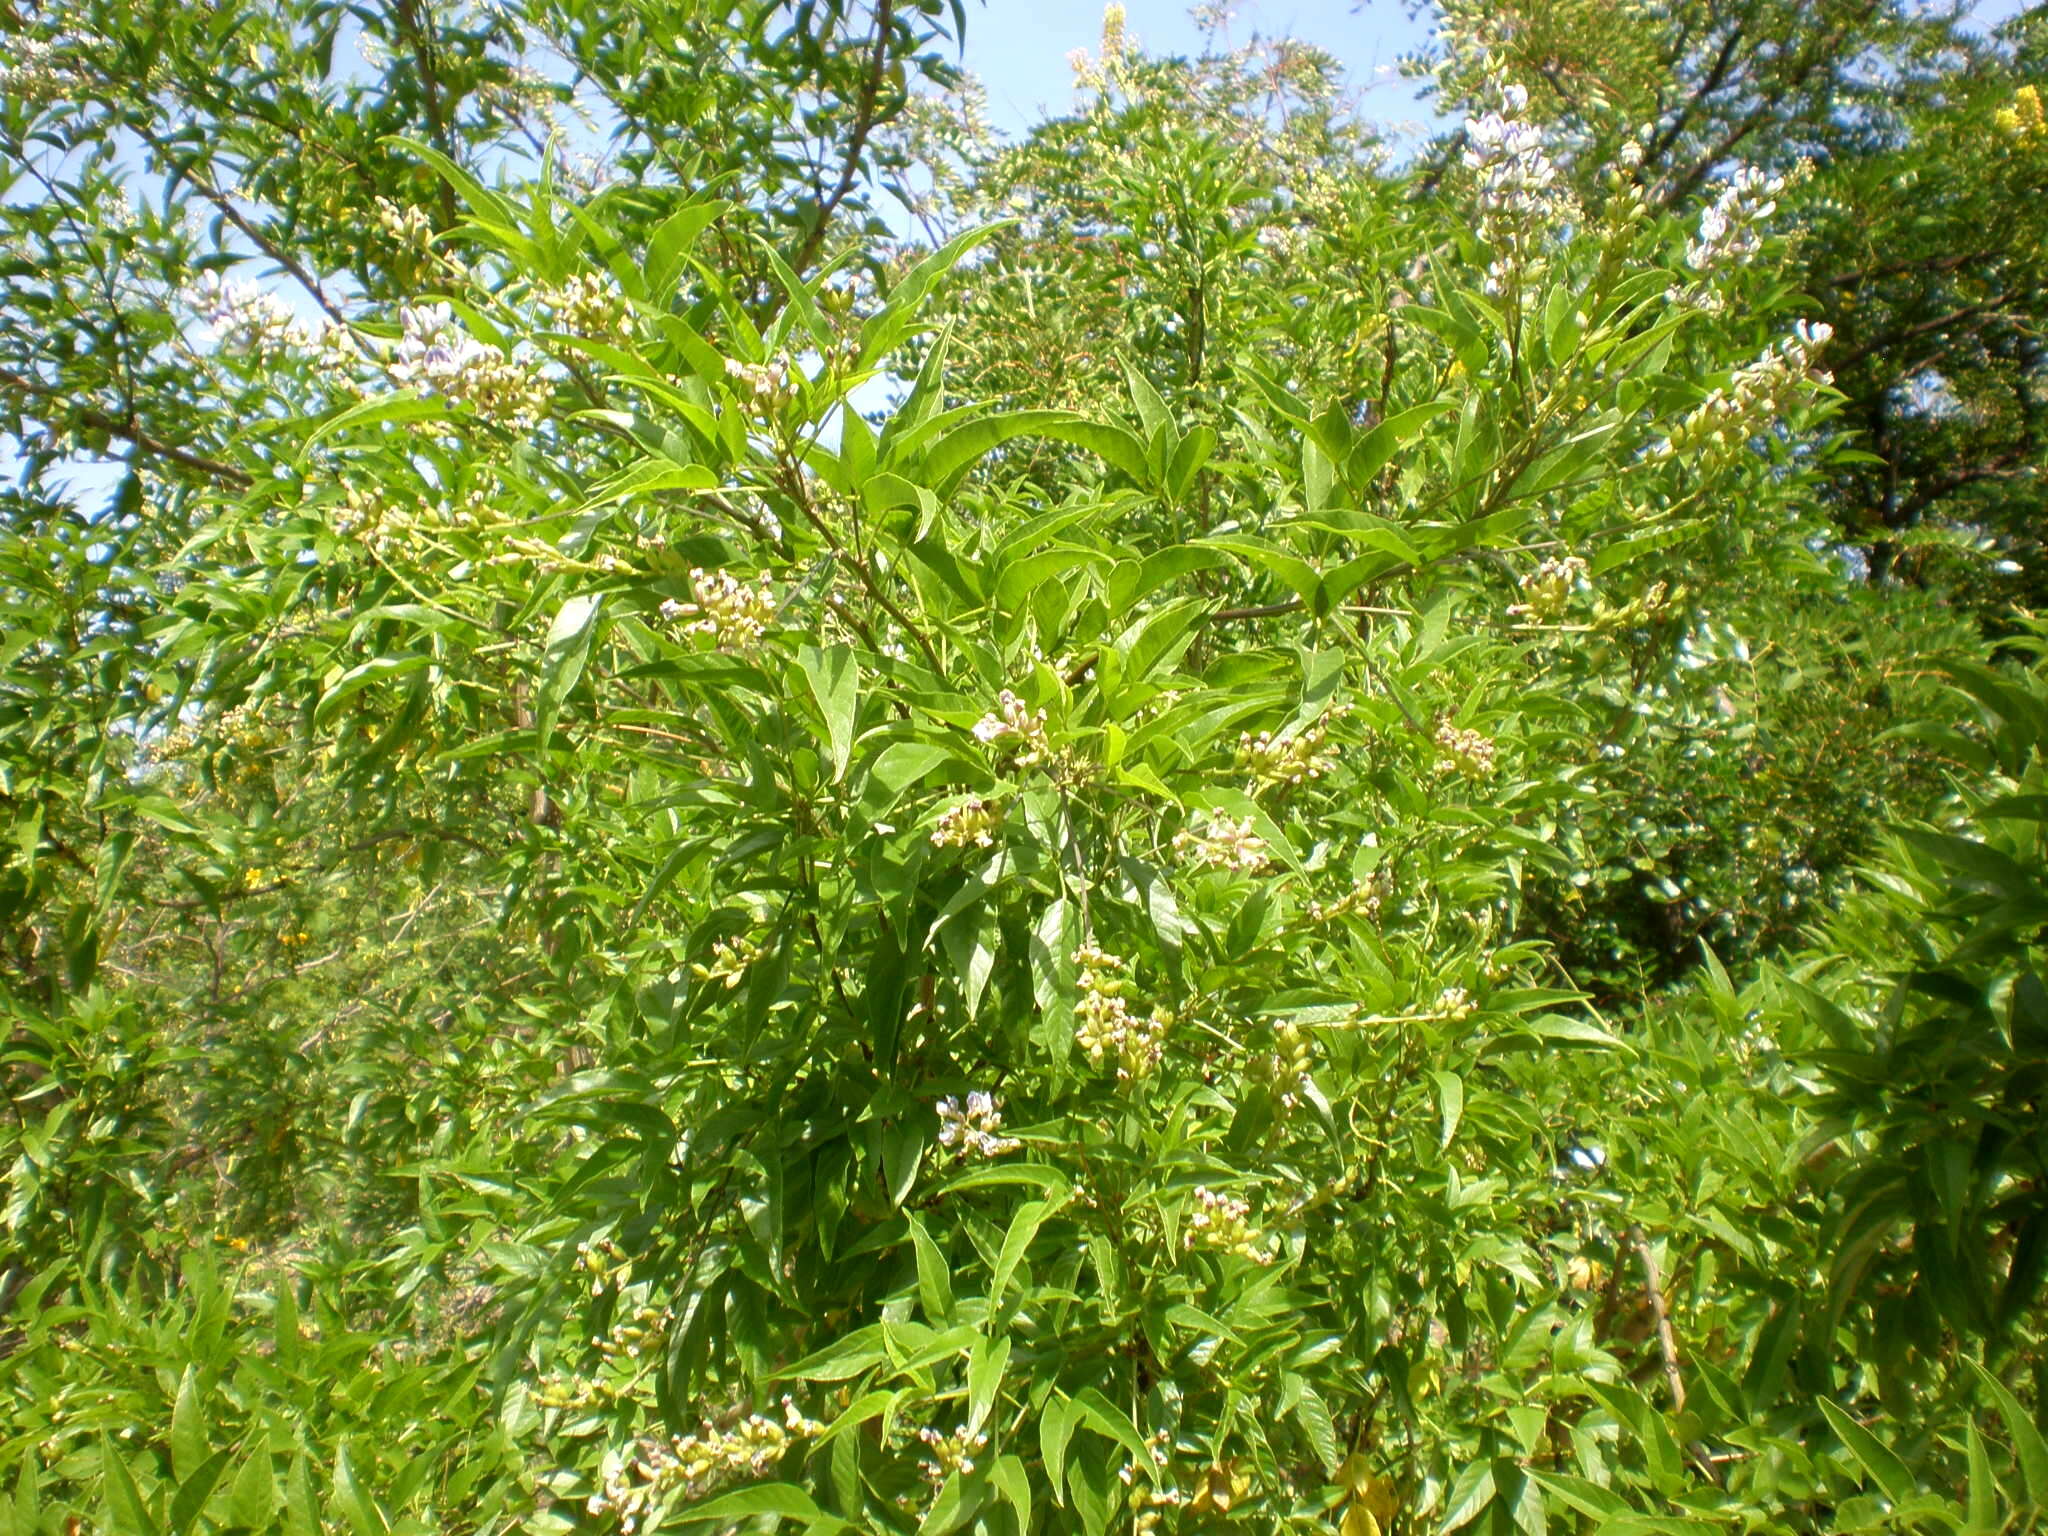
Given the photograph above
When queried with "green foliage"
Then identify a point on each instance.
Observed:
(669, 868)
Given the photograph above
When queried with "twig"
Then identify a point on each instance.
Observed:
(1667, 1346)
(863, 125)
(1264, 611)
(129, 431)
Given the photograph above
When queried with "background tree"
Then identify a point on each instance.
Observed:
(1917, 239)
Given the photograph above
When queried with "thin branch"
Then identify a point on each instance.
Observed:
(129, 431)
(856, 145)
(225, 206)
(1667, 1345)
(406, 13)
(1263, 611)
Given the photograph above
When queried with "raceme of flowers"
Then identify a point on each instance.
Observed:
(1547, 590)
(1012, 721)
(435, 354)
(1719, 429)
(1522, 193)
(36, 75)
(732, 613)
(1453, 1003)
(409, 228)
(586, 304)
(730, 961)
(1285, 1068)
(1221, 843)
(1731, 227)
(246, 318)
(768, 385)
(973, 821)
(1366, 898)
(973, 1130)
(1222, 1223)
(1463, 751)
(1108, 1031)
(605, 1262)
(1290, 760)
(694, 1465)
(1652, 605)
(949, 1453)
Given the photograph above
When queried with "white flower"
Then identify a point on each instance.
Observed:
(1224, 1224)
(435, 354)
(972, 1131)
(246, 318)
(734, 614)
(1012, 719)
(1730, 229)
(1224, 844)
(974, 821)
(37, 76)
(1523, 199)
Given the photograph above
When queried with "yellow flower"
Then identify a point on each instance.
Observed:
(2024, 119)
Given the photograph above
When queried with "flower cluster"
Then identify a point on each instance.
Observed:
(1463, 751)
(1731, 227)
(1108, 1031)
(251, 725)
(586, 304)
(1650, 606)
(567, 1394)
(364, 509)
(1094, 74)
(246, 318)
(436, 354)
(694, 1465)
(1285, 1067)
(1012, 720)
(730, 961)
(1224, 1224)
(1547, 590)
(732, 613)
(1720, 427)
(1514, 170)
(1285, 760)
(407, 227)
(972, 821)
(949, 1453)
(767, 385)
(605, 1262)
(1364, 897)
(1522, 194)
(1453, 1003)
(638, 1332)
(35, 76)
(1224, 844)
(973, 1130)
(2023, 120)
